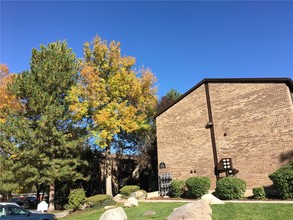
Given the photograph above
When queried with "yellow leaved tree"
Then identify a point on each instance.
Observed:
(7, 100)
(112, 95)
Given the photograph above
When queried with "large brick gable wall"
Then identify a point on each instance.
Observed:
(253, 124)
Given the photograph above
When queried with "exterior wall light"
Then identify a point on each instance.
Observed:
(226, 166)
(162, 165)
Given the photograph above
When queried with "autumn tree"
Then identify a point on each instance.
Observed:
(112, 95)
(41, 142)
(143, 144)
(7, 100)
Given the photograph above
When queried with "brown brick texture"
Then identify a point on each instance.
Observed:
(253, 125)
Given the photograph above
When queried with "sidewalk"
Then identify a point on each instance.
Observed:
(261, 201)
(226, 201)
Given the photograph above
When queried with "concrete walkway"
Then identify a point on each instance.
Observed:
(260, 201)
(226, 201)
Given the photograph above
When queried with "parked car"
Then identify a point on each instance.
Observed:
(9, 211)
(17, 200)
(31, 199)
(31, 202)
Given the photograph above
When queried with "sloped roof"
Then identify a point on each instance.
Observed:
(287, 81)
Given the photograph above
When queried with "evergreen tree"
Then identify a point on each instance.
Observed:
(41, 140)
(168, 100)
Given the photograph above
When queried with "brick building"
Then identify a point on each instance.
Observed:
(247, 120)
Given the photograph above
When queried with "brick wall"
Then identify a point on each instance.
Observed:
(253, 125)
(183, 142)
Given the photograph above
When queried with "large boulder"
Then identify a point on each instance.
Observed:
(114, 214)
(199, 210)
(140, 195)
(131, 202)
(212, 200)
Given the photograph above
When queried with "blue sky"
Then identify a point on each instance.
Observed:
(182, 42)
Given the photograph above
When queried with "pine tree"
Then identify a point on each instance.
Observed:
(167, 100)
(42, 140)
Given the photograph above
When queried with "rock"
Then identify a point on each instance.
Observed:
(114, 214)
(140, 194)
(211, 199)
(149, 213)
(83, 207)
(117, 197)
(61, 214)
(248, 193)
(199, 210)
(131, 202)
(152, 194)
(109, 207)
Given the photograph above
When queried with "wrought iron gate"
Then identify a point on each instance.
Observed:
(164, 184)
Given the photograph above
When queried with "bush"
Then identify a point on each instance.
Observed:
(283, 180)
(197, 186)
(177, 188)
(127, 190)
(100, 200)
(259, 193)
(230, 188)
(76, 198)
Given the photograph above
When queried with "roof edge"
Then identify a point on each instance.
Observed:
(287, 81)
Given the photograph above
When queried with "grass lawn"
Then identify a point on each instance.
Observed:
(162, 209)
(257, 211)
(229, 211)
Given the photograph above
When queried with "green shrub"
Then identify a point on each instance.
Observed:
(283, 180)
(230, 188)
(100, 200)
(127, 190)
(177, 188)
(76, 198)
(259, 193)
(197, 186)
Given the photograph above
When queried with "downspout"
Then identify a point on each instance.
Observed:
(210, 125)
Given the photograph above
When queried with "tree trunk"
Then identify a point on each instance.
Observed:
(108, 172)
(9, 195)
(51, 197)
(38, 193)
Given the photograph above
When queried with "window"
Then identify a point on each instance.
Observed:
(13, 210)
